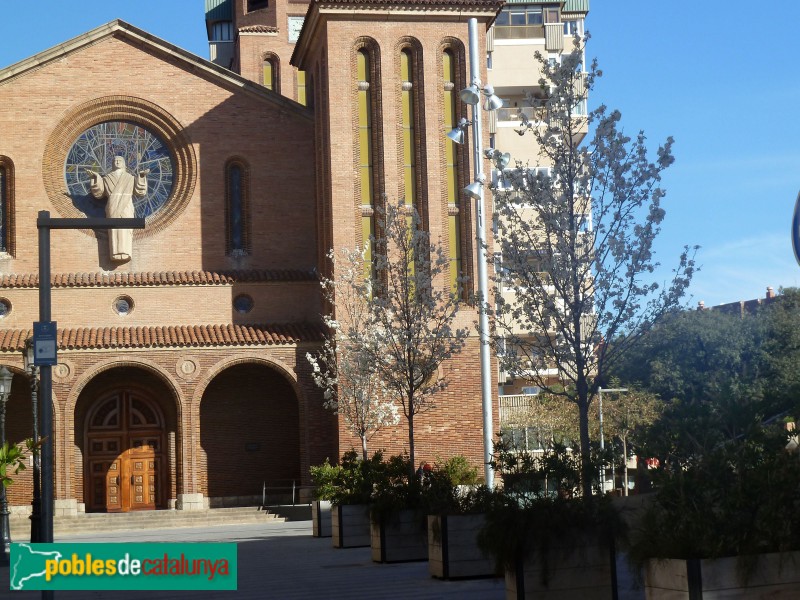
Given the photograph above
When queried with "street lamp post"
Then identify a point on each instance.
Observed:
(602, 438)
(472, 96)
(6, 378)
(36, 502)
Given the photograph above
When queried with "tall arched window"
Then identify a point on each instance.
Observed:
(237, 192)
(270, 77)
(409, 137)
(453, 192)
(301, 87)
(365, 146)
(6, 205)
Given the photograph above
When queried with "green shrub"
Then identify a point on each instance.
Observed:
(352, 481)
(740, 499)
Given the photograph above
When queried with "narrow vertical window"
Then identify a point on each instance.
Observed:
(301, 87)
(236, 178)
(270, 73)
(451, 170)
(3, 209)
(6, 205)
(365, 153)
(409, 135)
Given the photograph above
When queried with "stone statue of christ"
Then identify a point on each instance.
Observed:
(119, 187)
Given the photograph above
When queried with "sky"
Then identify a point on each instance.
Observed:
(717, 76)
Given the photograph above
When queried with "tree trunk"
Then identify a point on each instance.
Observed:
(412, 464)
(364, 454)
(586, 458)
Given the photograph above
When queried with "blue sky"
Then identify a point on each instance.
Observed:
(719, 77)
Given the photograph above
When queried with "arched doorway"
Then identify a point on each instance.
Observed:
(249, 436)
(124, 461)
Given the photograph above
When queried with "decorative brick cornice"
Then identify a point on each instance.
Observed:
(258, 29)
(414, 4)
(180, 336)
(69, 280)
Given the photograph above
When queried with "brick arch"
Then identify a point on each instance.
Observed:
(143, 363)
(249, 421)
(133, 110)
(278, 365)
(72, 446)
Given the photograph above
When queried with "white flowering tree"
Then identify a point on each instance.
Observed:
(412, 314)
(352, 386)
(575, 243)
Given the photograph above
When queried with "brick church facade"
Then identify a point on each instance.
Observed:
(182, 380)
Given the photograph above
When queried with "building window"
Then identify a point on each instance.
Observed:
(256, 5)
(520, 15)
(573, 27)
(366, 150)
(222, 31)
(270, 73)
(301, 87)
(452, 157)
(123, 305)
(6, 205)
(236, 214)
(407, 117)
(5, 308)
(243, 304)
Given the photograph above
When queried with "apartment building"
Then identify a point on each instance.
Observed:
(521, 29)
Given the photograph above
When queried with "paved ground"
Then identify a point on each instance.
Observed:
(283, 561)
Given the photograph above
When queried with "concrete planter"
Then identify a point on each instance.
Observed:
(453, 551)
(350, 525)
(588, 573)
(401, 538)
(321, 518)
(775, 576)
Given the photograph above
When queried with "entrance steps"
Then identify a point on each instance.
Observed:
(146, 519)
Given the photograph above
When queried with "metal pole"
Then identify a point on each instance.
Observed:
(36, 503)
(46, 388)
(602, 444)
(480, 236)
(5, 534)
(602, 439)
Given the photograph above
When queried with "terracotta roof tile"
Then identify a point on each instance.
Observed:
(417, 3)
(110, 338)
(29, 280)
(258, 29)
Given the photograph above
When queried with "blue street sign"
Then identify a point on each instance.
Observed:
(796, 230)
(44, 343)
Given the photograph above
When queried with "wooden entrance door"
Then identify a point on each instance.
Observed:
(124, 442)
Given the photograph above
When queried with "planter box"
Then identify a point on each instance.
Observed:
(587, 573)
(350, 525)
(453, 551)
(775, 576)
(321, 518)
(402, 538)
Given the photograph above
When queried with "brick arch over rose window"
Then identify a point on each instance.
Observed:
(129, 109)
(249, 435)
